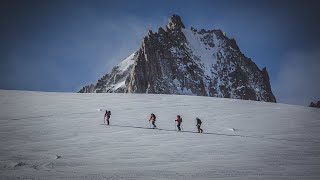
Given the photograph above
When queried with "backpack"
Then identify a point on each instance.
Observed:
(109, 113)
(154, 116)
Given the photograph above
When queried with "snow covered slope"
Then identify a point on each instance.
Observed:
(60, 136)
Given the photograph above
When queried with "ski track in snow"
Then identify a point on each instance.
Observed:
(60, 136)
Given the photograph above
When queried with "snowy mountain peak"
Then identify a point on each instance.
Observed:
(194, 62)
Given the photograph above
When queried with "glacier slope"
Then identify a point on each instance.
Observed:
(60, 136)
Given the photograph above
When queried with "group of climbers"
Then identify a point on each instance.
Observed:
(153, 121)
(178, 120)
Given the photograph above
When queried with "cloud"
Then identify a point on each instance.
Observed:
(298, 81)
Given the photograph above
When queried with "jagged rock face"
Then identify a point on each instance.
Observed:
(176, 60)
(117, 81)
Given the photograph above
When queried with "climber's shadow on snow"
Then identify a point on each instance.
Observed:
(210, 133)
(45, 116)
(170, 130)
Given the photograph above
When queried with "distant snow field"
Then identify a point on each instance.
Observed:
(60, 136)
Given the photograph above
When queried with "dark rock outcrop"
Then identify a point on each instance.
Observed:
(87, 89)
(312, 104)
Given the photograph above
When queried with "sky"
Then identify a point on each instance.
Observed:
(62, 45)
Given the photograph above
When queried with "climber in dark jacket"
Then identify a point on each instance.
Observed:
(199, 122)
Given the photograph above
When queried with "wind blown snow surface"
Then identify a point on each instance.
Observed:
(60, 136)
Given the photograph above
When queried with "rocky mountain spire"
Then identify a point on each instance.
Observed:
(191, 62)
(175, 22)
